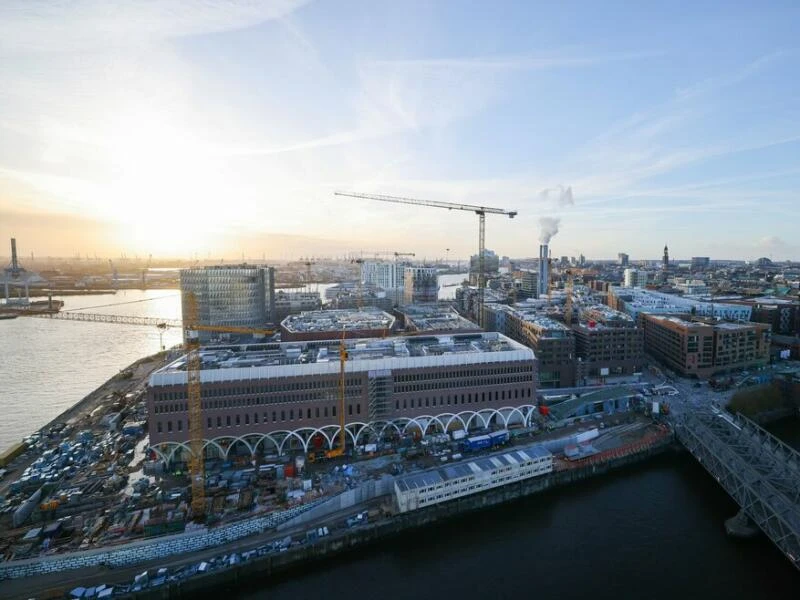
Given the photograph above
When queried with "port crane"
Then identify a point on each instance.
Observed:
(481, 211)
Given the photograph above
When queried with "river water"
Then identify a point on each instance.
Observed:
(651, 531)
(48, 365)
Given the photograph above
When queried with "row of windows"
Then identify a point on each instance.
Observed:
(480, 372)
(463, 399)
(277, 416)
(468, 383)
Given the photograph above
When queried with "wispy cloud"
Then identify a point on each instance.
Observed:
(515, 63)
(78, 25)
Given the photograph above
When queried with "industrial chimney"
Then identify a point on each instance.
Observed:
(544, 272)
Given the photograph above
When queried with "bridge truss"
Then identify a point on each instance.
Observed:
(761, 473)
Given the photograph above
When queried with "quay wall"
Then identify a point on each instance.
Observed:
(327, 547)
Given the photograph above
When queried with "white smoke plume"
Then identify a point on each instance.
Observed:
(563, 195)
(549, 227)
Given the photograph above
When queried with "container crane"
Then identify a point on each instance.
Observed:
(194, 365)
(481, 211)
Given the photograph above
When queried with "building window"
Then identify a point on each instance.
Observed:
(219, 421)
(308, 414)
(326, 411)
(247, 419)
(317, 412)
(283, 415)
(169, 426)
(274, 416)
(349, 409)
(291, 415)
(228, 420)
(238, 420)
(209, 422)
(333, 411)
(180, 425)
(159, 427)
(358, 409)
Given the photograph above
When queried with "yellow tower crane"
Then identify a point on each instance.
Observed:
(481, 211)
(194, 396)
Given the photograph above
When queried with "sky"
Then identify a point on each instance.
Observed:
(221, 128)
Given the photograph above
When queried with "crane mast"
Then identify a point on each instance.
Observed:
(194, 396)
(481, 211)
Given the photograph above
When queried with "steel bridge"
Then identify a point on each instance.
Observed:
(100, 318)
(761, 473)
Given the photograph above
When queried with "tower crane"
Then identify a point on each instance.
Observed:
(193, 393)
(481, 211)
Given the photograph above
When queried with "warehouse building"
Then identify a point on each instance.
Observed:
(276, 396)
(608, 345)
(552, 341)
(703, 348)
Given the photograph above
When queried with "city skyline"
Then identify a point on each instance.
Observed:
(224, 128)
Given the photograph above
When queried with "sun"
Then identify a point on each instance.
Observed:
(166, 192)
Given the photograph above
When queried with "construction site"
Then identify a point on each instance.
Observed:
(274, 438)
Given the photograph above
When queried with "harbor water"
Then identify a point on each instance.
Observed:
(651, 531)
(47, 365)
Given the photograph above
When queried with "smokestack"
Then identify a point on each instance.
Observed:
(544, 274)
(14, 262)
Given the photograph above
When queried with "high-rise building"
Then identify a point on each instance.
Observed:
(544, 271)
(665, 258)
(236, 295)
(623, 259)
(635, 278)
(421, 285)
(382, 274)
(581, 260)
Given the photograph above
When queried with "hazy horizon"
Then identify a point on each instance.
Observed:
(224, 127)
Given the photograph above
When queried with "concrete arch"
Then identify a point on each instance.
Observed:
(295, 435)
(388, 424)
(242, 440)
(264, 438)
(216, 443)
(452, 418)
(471, 417)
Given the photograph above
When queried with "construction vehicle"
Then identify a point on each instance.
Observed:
(481, 211)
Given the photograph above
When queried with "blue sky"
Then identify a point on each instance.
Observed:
(223, 127)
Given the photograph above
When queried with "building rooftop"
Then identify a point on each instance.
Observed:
(465, 469)
(433, 317)
(258, 361)
(338, 320)
(534, 317)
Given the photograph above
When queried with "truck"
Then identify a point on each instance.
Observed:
(490, 440)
